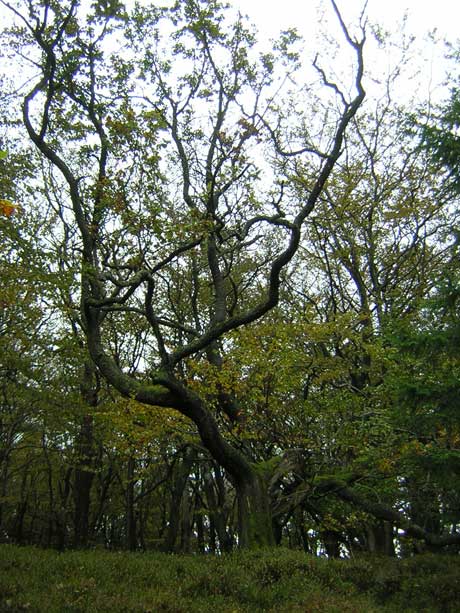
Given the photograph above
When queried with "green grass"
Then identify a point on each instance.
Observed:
(280, 580)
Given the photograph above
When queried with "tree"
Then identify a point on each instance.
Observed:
(183, 227)
(425, 387)
(323, 386)
(440, 137)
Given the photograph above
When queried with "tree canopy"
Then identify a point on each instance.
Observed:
(229, 288)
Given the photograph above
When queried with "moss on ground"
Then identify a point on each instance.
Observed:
(271, 580)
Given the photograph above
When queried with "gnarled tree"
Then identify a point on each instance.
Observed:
(162, 130)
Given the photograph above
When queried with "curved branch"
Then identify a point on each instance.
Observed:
(381, 511)
(274, 282)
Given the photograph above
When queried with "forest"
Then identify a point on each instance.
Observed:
(230, 285)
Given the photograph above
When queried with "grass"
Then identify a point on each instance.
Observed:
(280, 580)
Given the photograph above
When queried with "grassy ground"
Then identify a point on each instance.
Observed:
(278, 580)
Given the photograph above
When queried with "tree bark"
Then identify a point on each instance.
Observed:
(84, 448)
(179, 487)
(131, 539)
(83, 480)
(215, 503)
(255, 527)
(379, 538)
(381, 511)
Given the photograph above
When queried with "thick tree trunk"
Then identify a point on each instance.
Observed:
(255, 527)
(331, 543)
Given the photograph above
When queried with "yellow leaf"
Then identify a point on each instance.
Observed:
(7, 208)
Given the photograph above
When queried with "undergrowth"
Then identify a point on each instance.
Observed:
(278, 580)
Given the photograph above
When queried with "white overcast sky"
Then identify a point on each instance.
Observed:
(423, 15)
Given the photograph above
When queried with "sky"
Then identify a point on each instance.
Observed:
(272, 16)
(423, 15)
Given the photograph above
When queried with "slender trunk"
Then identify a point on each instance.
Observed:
(212, 536)
(4, 463)
(217, 513)
(18, 527)
(142, 512)
(200, 531)
(83, 480)
(176, 497)
(131, 540)
(103, 495)
(52, 510)
(186, 523)
(85, 452)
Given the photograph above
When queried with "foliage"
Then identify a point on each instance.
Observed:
(442, 141)
(227, 294)
(285, 581)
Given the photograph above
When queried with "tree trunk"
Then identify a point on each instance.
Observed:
(217, 513)
(186, 524)
(84, 470)
(255, 528)
(200, 532)
(4, 464)
(176, 498)
(131, 539)
(379, 539)
(83, 480)
(331, 543)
